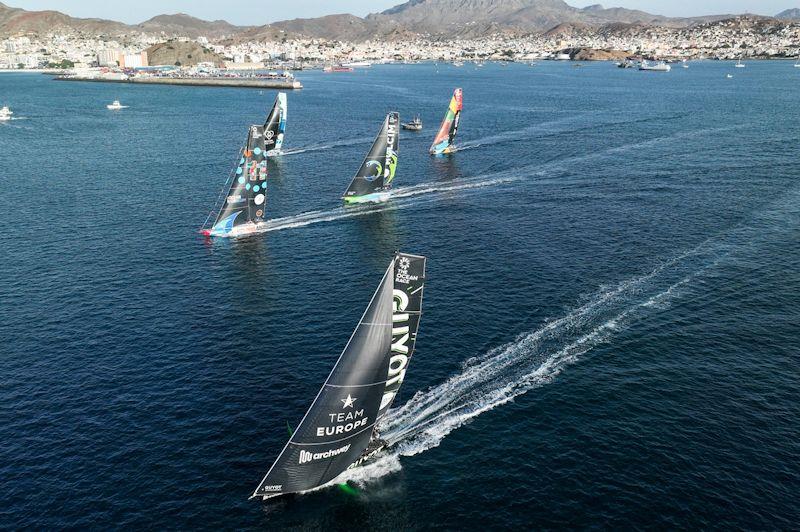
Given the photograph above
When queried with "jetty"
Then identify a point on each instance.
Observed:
(248, 82)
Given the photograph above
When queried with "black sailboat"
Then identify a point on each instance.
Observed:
(338, 430)
(374, 178)
(242, 208)
(275, 126)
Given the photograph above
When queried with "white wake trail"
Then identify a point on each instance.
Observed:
(329, 146)
(404, 197)
(532, 360)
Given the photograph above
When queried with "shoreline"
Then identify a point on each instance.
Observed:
(197, 82)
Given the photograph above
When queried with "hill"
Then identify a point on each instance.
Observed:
(15, 21)
(436, 18)
(181, 24)
(789, 14)
(181, 53)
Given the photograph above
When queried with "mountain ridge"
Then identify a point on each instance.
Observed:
(435, 18)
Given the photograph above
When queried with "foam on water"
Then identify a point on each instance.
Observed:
(404, 197)
(331, 145)
(537, 357)
(532, 360)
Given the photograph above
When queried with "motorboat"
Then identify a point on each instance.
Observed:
(657, 67)
(5, 113)
(414, 125)
(116, 106)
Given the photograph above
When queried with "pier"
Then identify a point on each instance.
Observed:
(253, 83)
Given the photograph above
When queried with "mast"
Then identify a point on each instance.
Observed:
(443, 141)
(339, 425)
(245, 201)
(377, 171)
(275, 125)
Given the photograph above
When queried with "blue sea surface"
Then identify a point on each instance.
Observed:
(611, 318)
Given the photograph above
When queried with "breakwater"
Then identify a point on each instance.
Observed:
(253, 83)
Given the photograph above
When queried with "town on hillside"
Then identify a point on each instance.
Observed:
(189, 44)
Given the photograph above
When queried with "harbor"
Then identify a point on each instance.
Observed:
(247, 82)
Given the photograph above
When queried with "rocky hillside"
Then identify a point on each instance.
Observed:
(185, 25)
(445, 16)
(437, 18)
(14, 21)
(181, 53)
(789, 14)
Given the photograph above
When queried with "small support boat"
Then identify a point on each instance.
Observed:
(337, 68)
(658, 67)
(116, 106)
(5, 113)
(414, 125)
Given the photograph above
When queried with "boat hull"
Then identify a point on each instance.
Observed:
(236, 231)
(445, 151)
(376, 197)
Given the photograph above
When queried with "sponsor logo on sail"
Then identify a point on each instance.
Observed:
(276, 487)
(306, 456)
(235, 198)
(344, 422)
(403, 276)
(401, 334)
(378, 170)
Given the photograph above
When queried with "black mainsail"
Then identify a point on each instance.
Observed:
(243, 205)
(275, 125)
(340, 424)
(374, 177)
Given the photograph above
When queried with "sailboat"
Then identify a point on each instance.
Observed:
(275, 126)
(443, 143)
(374, 178)
(339, 429)
(243, 206)
(739, 64)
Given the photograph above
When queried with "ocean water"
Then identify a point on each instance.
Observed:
(611, 322)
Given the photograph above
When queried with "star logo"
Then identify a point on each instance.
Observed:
(348, 402)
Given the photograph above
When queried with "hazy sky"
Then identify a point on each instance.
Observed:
(250, 12)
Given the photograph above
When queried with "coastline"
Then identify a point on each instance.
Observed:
(198, 82)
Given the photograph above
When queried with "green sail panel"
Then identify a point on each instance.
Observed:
(376, 173)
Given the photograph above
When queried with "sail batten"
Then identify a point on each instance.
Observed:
(340, 423)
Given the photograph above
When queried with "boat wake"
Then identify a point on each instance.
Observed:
(532, 360)
(400, 199)
(537, 357)
(404, 197)
(336, 144)
(557, 127)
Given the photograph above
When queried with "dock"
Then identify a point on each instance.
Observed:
(252, 83)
